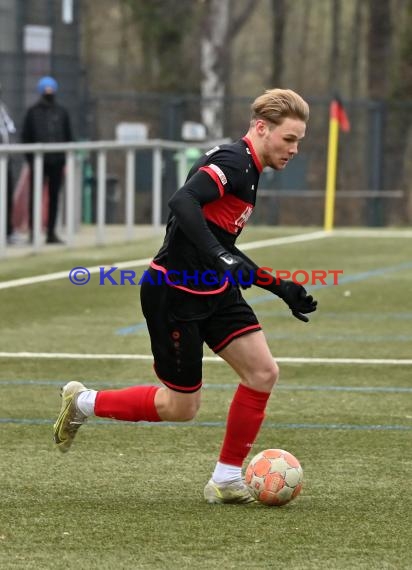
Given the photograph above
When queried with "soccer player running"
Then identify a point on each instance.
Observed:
(206, 216)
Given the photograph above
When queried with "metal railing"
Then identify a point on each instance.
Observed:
(100, 148)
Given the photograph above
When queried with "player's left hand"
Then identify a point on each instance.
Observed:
(297, 299)
(238, 267)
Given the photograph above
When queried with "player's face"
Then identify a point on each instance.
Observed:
(280, 142)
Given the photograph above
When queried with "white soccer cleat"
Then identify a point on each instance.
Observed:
(70, 418)
(229, 493)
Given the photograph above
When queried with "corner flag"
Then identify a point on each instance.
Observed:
(337, 118)
(337, 111)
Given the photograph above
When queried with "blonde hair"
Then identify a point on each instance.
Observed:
(277, 104)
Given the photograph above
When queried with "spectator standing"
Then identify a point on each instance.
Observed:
(47, 122)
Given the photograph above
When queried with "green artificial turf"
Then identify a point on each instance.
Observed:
(131, 496)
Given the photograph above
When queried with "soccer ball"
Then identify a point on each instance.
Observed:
(274, 477)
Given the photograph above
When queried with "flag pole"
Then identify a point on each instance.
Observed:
(333, 144)
(337, 119)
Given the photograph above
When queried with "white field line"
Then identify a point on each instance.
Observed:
(145, 262)
(368, 233)
(149, 357)
(65, 274)
(356, 233)
(284, 240)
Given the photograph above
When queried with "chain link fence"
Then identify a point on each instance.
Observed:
(374, 185)
(373, 188)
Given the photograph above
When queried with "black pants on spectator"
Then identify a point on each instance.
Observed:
(53, 173)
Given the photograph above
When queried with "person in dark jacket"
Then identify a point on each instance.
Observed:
(47, 122)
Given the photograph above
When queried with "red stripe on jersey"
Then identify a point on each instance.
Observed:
(224, 286)
(253, 153)
(229, 212)
(214, 175)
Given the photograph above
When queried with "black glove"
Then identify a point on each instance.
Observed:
(297, 299)
(241, 271)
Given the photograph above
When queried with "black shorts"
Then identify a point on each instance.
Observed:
(179, 323)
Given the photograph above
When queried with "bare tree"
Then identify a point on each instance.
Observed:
(334, 64)
(219, 29)
(163, 26)
(403, 86)
(279, 24)
(214, 46)
(303, 44)
(403, 124)
(355, 43)
(379, 46)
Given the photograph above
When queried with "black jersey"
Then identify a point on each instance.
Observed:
(209, 212)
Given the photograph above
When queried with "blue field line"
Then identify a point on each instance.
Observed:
(349, 316)
(350, 337)
(344, 279)
(269, 425)
(303, 337)
(97, 384)
(131, 329)
(140, 327)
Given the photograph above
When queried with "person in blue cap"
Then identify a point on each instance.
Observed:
(47, 122)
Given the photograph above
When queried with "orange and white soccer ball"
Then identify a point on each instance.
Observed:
(274, 477)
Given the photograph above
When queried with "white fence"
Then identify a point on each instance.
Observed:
(74, 184)
(101, 148)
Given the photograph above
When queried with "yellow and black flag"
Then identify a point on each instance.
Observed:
(337, 119)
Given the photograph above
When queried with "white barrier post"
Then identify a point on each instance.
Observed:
(3, 202)
(37, 201)
(130, 181)
(38, 152)
(70, 196)
(157, 188)
(182, 168)
(101, 196)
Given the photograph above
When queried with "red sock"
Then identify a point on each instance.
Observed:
(245, 417)
(133, 404)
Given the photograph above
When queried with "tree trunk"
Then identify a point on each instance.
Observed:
(356, 41)
(219, 30)
(399, 131)
(303, 45)
(379, 44)
(334, 67)
(214, 44)
(162, 37)
(279, 24)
